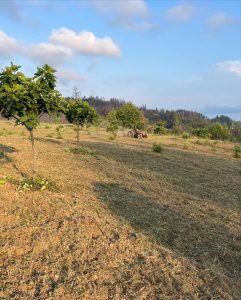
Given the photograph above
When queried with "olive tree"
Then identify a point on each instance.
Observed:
(80, 113)
(26, 99)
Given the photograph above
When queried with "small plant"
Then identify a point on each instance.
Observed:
(113, 136)
(58, 132)
(185, 146)
(3, 181)
(185, 135)
(28, 184)
(82, 150)
(49, 135)
(47, 127)
(156, 147)
(237, 152)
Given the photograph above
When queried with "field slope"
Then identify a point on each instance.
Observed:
(123, 222)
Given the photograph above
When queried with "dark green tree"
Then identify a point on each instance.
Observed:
(26, 99)
(80, 113)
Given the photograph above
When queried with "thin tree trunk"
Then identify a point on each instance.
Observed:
(33, 153)
(78, 139)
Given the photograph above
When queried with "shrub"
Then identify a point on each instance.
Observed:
(201, 132)
(218, 132)
(156, 147)
(237, 152)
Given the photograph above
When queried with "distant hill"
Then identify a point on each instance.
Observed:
(186, 118)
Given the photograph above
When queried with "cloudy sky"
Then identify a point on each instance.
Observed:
(165, 54)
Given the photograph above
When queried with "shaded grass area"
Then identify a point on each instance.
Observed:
(126, 223)
(4, 151)
(201, 175)
(208, 245)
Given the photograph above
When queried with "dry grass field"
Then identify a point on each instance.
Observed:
(123, 222)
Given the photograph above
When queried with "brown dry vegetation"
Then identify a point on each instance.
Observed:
(125, 223)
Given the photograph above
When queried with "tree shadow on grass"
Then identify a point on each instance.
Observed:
(203, 176)
(4, 151)
(46, 140)
(7, 149)
(5, 158)
(209, 245)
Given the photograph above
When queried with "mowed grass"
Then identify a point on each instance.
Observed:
(125, 222)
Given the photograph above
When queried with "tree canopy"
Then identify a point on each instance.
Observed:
(80, 113)
(130, 116)
(26, 99)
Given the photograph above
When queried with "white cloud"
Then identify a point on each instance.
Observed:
(230, 66)
(70, 75)
(219, 20)
(64, 44)
(8, 45)
(180, 13)
(85, 42)
(49, 53)
(130, 14)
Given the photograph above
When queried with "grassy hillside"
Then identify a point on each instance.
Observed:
(123, 222)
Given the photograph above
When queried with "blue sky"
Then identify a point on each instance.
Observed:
(165, 54)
